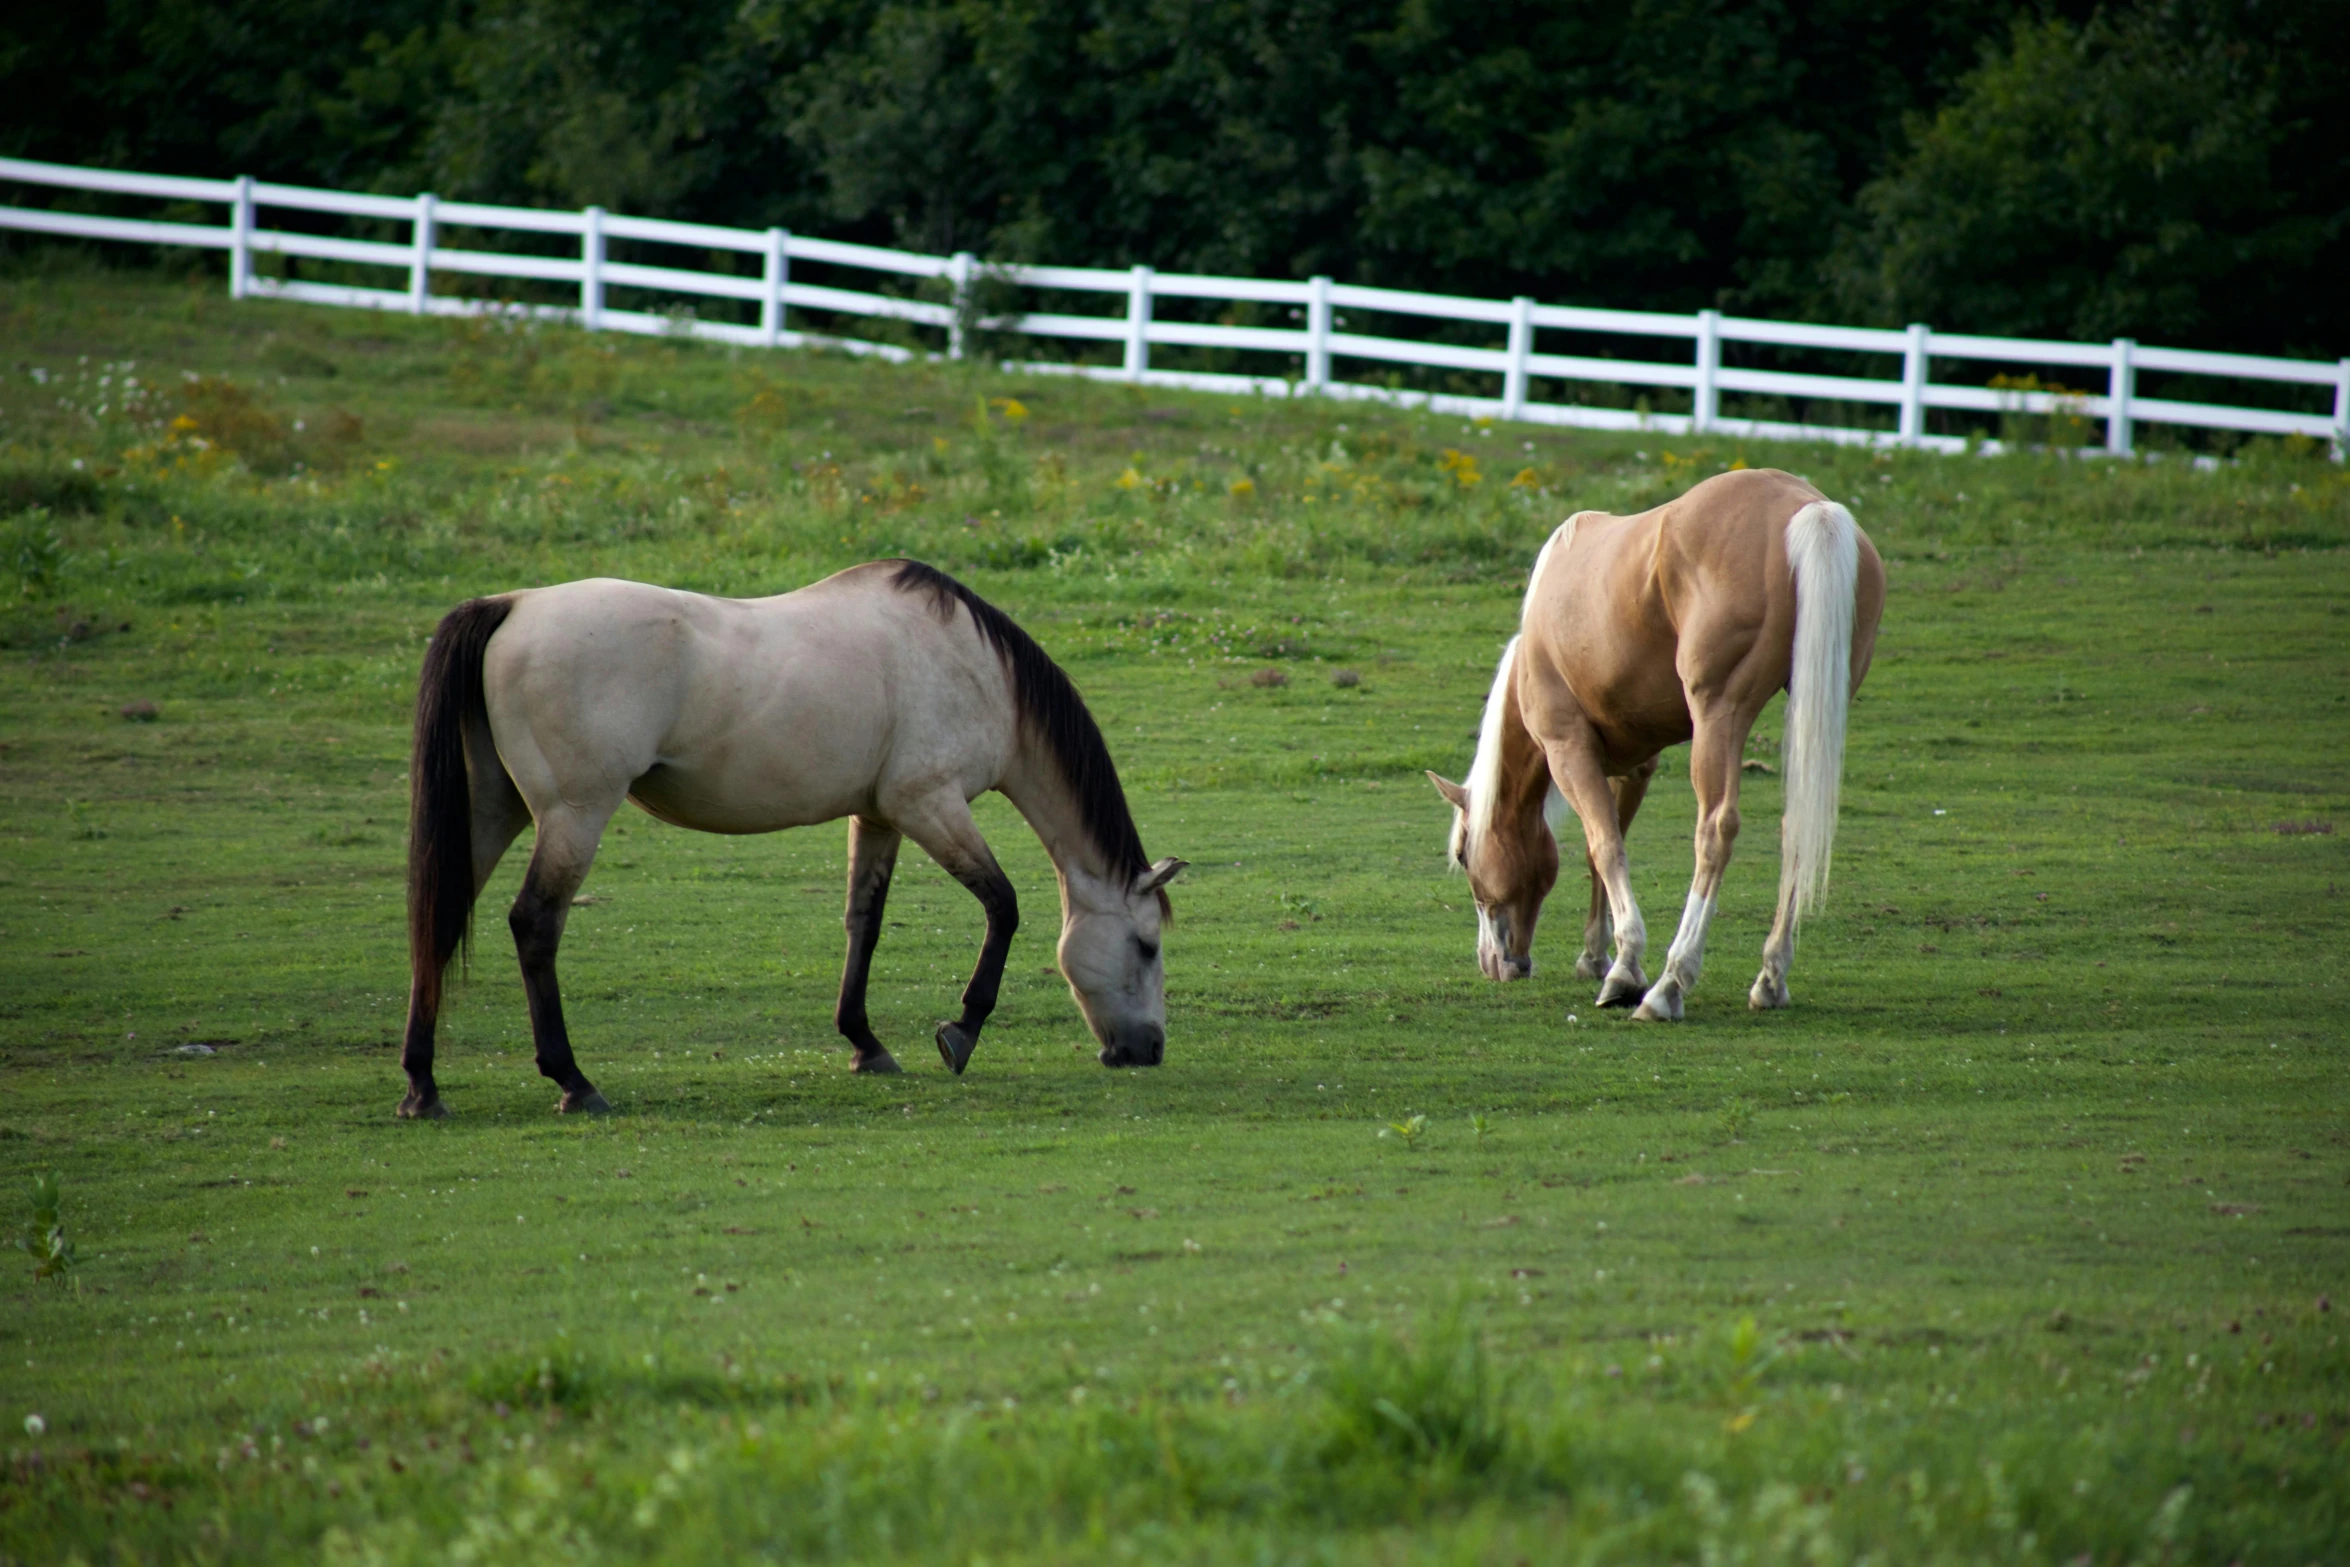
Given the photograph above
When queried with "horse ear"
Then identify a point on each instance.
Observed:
(1159, 875)
(1453, 793)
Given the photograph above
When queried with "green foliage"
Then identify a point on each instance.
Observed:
(45, 1241)
(2170, 172)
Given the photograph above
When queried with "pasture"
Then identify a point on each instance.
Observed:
(2023, 1236)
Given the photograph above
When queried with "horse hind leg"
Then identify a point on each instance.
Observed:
(498, 815)
(873, 858)
(566, 848)
(1714, 758)
(1592, 962)
(1770, 986)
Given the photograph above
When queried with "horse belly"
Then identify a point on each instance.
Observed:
(759, 779)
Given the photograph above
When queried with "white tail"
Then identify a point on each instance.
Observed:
(1823, 550)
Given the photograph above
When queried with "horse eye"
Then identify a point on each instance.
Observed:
(1150, 952)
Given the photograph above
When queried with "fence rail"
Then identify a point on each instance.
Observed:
(1308, 349)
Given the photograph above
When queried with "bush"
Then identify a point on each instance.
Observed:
(51, 486)
(31, 553)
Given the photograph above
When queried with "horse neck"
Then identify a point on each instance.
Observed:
(1525, 781)
(1034, 785)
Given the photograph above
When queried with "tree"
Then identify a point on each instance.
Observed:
(2179, 172)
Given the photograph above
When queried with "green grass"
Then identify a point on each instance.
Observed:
(2022, 1237)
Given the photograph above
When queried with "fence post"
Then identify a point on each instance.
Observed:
(778, 279)
(959, 271)
(2121, 387)
(2342, 411)
(1513, 379)
(1913, 386)
(591, 268)
(1318, 333)
(420, 269)
(1705, 400)
(1138, 324)
(240, 239)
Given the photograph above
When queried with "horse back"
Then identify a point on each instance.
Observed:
(741, 715)
(1635, 613)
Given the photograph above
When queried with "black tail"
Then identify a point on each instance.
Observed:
(440, 802)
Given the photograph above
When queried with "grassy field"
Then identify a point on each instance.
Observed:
(2024, 1236)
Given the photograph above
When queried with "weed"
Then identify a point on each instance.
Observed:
(45, 1242)
(32, 552)
(1410, 1129)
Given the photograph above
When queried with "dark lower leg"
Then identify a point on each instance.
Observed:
(537, 920)
(873, 857)
(994, 891)
(424, 1095)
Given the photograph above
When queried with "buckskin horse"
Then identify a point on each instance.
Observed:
(1638, 633)
(890, 694)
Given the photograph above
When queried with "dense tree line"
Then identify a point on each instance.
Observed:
(2174, 169)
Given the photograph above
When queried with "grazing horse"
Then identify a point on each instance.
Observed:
(890, 694)
(1638, 633)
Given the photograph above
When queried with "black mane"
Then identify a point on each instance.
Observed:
(1053, 711)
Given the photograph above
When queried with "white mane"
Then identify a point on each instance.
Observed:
(1484, 780)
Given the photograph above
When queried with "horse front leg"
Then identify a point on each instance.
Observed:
(1598, 926)
(993, 889)
(566, 848)
(873, 859)
(1714, 757)
(942, 824)
(1575, 769)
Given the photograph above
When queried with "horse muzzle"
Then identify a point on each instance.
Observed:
(1145, 1046)
(1500, 965)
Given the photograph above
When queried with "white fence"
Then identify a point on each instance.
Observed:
(1312, 346)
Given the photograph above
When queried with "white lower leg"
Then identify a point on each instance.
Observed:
(1770, 986)
(1683, 961)
(1625, 978)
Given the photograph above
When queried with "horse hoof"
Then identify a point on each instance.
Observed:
(1591, 965)
(1621, 993)
(590, 1103)
(955, 1047)
(1768, 994)
(879, 1062)
(415, 1108)
(1659, 1006)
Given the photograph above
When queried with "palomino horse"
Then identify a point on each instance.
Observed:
(890, 694)
(1639, 633)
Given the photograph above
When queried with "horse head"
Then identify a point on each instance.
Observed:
(1110, 956)
(1512, 861)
